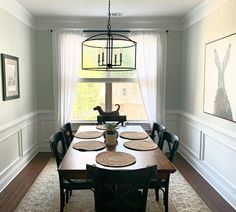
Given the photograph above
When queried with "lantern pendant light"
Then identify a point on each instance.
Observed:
(109, 51)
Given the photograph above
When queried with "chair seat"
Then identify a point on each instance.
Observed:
(157, 183)
(77, 184)
(120, 205)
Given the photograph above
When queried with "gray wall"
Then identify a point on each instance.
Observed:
(173, 73)
(17, 39)
(207, 142)
(218, 24)
(18, 117)
(44, 70)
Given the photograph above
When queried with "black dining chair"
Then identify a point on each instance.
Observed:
(120, 190)
(67, 131)
(157, 130)
(172, 142)
(58, 146)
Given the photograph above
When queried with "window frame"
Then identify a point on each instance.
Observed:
(108, 93)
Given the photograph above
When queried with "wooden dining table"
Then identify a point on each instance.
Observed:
(74, 162)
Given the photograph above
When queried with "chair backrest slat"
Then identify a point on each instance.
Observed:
(103, 119)
(58, 146)
(172, 143)
(67, 131)
(157, 130)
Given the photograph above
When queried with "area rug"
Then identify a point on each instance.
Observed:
(43, 196)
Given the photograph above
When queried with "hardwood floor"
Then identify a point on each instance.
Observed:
(12, 195)
(207, 193)
(15, 191)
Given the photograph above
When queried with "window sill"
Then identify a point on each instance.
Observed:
(75, 124)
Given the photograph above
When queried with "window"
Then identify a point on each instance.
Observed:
(107, 89)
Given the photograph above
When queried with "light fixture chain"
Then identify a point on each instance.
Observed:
(109, 16)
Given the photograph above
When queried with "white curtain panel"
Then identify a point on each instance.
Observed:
(151, 70)
(66, 65)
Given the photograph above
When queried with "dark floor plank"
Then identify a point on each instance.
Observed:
(207, 193)
(11, 196)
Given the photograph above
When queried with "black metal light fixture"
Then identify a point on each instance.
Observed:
(109, 51)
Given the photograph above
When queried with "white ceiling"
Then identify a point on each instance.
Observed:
(98, 8)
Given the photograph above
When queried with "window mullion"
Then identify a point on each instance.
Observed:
(108, 97)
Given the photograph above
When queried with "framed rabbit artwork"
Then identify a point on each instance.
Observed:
(220, 78)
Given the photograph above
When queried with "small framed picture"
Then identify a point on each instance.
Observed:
(10, 77)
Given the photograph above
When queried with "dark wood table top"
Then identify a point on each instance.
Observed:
(74, 162)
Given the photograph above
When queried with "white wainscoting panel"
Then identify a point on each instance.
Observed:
(29, 137)
(9, 151)
(47, 127)
(211, 152)
(225, 157)
(190, 139)
(18, 145)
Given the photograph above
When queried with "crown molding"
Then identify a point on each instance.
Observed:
(146, 23)
(201, 11)
(18, 11)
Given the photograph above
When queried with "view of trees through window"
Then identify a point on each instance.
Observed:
(89, 95)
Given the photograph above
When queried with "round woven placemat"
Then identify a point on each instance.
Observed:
(132, 135)
(101, 127)
(141, 145)
(88, 134)
(115, 159)
(89, 145)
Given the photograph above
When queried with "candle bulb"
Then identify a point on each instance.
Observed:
(120, 58)
(98, 58)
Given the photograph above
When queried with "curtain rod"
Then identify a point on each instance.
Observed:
(51, 30)
(106, 30)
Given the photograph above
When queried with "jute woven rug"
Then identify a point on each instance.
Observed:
(43, 196)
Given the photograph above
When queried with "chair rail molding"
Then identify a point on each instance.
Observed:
(211, 150)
